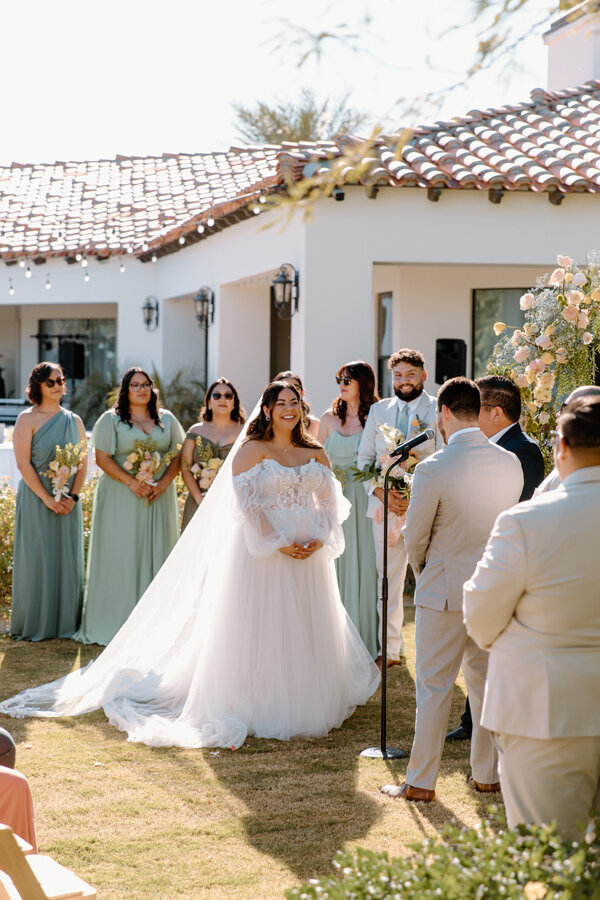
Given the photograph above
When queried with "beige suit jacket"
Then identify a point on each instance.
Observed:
(534, 602)
(456, 496)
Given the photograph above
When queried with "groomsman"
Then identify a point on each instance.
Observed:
(411, 410)
(534, 603)
(499, 421)
(456, 496)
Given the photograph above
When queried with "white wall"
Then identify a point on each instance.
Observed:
(574, 53)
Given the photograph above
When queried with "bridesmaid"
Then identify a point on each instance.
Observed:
(311, 423)
(48, 554)
(134, 524)
(222, 418)
(340, 432)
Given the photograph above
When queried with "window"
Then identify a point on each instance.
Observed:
(492, 305)
(84, 347)
(384, 343)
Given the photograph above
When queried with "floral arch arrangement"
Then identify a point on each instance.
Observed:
(557, 348)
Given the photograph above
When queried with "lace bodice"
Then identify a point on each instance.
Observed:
(281, 504)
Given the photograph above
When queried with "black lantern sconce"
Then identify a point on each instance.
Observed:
(285, 291)
(150, 311)
(204, 303)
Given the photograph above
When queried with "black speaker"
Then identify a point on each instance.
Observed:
(71, 356)
(450, 359)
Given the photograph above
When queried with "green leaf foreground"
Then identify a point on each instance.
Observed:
(489, 861)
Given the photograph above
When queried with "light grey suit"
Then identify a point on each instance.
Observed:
(372, 446)
(456, 496)
(534, 603)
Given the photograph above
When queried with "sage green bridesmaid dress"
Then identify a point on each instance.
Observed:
(48, 557)
(356, 569)
(218, 452)
(129, 541)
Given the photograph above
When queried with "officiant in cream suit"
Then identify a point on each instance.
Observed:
(456, 496)
(534, 603)
(411, 411)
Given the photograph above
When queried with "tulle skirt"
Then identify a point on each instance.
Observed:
(268, 651)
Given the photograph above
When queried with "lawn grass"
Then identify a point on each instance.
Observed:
(143, 822)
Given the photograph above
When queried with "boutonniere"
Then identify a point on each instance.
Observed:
(418, 424)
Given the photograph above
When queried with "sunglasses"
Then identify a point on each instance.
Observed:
(345, 379)
(217, 395)
(143, 386)
(50, 382)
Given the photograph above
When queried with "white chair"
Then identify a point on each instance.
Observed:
(25, 875)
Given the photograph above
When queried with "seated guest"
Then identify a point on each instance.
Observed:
(499, 421)
(534, 603)
(16, 805)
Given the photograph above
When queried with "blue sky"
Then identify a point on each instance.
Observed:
(89, 80)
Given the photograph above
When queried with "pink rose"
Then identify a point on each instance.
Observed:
(517, 336)
(583, 320)
(543, 341)
(537, 365)
(520, 380)
(558, 276)
(527, 301)
(521, 354)
(127, 465)
(587, 338)
(564, 261)
(570, 313)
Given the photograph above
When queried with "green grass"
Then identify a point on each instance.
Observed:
(141, 822)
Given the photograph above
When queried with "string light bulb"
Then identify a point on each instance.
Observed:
(210, 221)
(130, 249)
(256, 210)
(200, 228)
(122, 267)
(181, 240)
(11, 287)
(84, 262)
(154, 257)
(86, 276)
(48, 285)
(28, 272)
(21, 263)
(78, 257)
(144, 247)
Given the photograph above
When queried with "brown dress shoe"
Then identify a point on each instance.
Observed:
(408, 792)
(390, 662)
(484, 788)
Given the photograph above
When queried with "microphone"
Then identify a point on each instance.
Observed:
(407, 446)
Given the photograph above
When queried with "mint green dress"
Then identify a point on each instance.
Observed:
(129, 541)
(48, 556)
(356, 569)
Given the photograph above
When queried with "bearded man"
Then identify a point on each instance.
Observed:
(411, 411)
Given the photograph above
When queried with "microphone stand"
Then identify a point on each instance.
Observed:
(384, 752)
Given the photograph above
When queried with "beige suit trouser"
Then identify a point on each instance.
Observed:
(397, 564)
(543, 780)
(443, 645)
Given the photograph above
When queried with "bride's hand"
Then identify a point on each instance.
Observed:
(301, 551)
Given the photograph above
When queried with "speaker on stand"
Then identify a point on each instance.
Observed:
(450, 359)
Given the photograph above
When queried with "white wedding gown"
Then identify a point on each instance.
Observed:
(233, 637)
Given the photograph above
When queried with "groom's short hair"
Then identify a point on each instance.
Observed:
(580, 423)
(461, 396)
(496, 390)
(412, 357)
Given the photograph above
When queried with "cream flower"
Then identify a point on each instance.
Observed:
(527, 301)
(543, 394)
(531, 407)
(583, 320)
(546, 379)
(521, 354)
(550, 330)
(132, 457)
(535, 890)
(53, 465)
(575, 296)
(579, 279)
(565, 261)
(547, 358)
(587, 338)
(543, 418)
(562, 355)
(499, 327)
(517, 336)
(215, 464)
(558, 276)
(570, 313)
(520, 380)
(568, 277)
(530, 328)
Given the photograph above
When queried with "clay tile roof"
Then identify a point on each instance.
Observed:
(147, 205)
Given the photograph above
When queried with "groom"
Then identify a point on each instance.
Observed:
(411, 411)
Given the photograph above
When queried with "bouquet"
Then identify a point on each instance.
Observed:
(67, 461)
(375, 472)
(144, 462)
(205, 471)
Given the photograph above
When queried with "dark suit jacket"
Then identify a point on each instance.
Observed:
(529, 455)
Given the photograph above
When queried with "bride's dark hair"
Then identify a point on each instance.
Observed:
(261, 428)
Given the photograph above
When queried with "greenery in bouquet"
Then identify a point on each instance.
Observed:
(374, 472)
(66, 463)
(555, 350)
(206, 469)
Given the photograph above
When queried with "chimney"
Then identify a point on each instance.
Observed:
(573, 43)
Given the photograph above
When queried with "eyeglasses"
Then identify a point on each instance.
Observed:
(555, 436)
(344, 378)
(217, 395)
(50, 382)
(141, 386)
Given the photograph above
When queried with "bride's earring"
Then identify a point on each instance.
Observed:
(268, 418)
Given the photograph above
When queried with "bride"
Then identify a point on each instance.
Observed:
(242, 631)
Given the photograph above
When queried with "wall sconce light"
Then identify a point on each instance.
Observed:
(150, 312)
(285, 291)
(338, 194)
(204, 303)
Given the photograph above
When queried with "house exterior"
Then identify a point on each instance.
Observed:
(435, 238)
